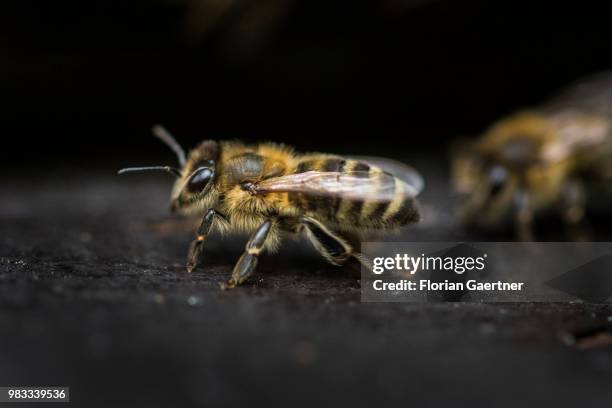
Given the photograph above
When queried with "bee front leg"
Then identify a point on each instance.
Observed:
(248, 261)
(572, 208)
(196, 247)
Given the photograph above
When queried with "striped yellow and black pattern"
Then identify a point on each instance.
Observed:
(349, 213)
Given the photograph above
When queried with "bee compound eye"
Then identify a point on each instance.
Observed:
(497, 178)
(200, 179)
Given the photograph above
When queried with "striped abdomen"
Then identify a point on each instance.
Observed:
(399, 209)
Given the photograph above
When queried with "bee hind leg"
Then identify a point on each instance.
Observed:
(572, 208)
(337, 249)
(196, 247)
(248, 261)
(523, 217)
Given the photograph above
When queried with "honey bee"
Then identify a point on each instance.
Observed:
(269, 191)
(539, 160)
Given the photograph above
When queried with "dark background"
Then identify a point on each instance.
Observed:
(82, 82)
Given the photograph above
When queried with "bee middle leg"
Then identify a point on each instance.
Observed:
(523, 217)
(196, 247)
(572, 208)
(245, 266)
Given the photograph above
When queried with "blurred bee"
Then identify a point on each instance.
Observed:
(269, 191)
(539, 159)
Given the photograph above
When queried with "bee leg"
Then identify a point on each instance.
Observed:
(337, 249)
(196, 247)
(572, 210)
(248, 261)
(523, 217)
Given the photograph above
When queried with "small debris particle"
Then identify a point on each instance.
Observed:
(193, 301)
(592, 339)
(597, 340)
(567, 338)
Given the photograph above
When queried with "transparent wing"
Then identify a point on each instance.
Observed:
(581, 117)
(404, 172)
(356, 185)
(576, 132)
(591, 94)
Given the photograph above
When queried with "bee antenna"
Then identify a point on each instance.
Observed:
(162, 134)
(174, 171)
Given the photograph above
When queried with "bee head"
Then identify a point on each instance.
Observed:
(484, 190)
(194, 187)
(489, 176)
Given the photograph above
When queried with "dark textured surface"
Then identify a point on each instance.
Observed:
(92, 296)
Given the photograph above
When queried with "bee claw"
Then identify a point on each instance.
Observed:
(190, 267)
(231, 284)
